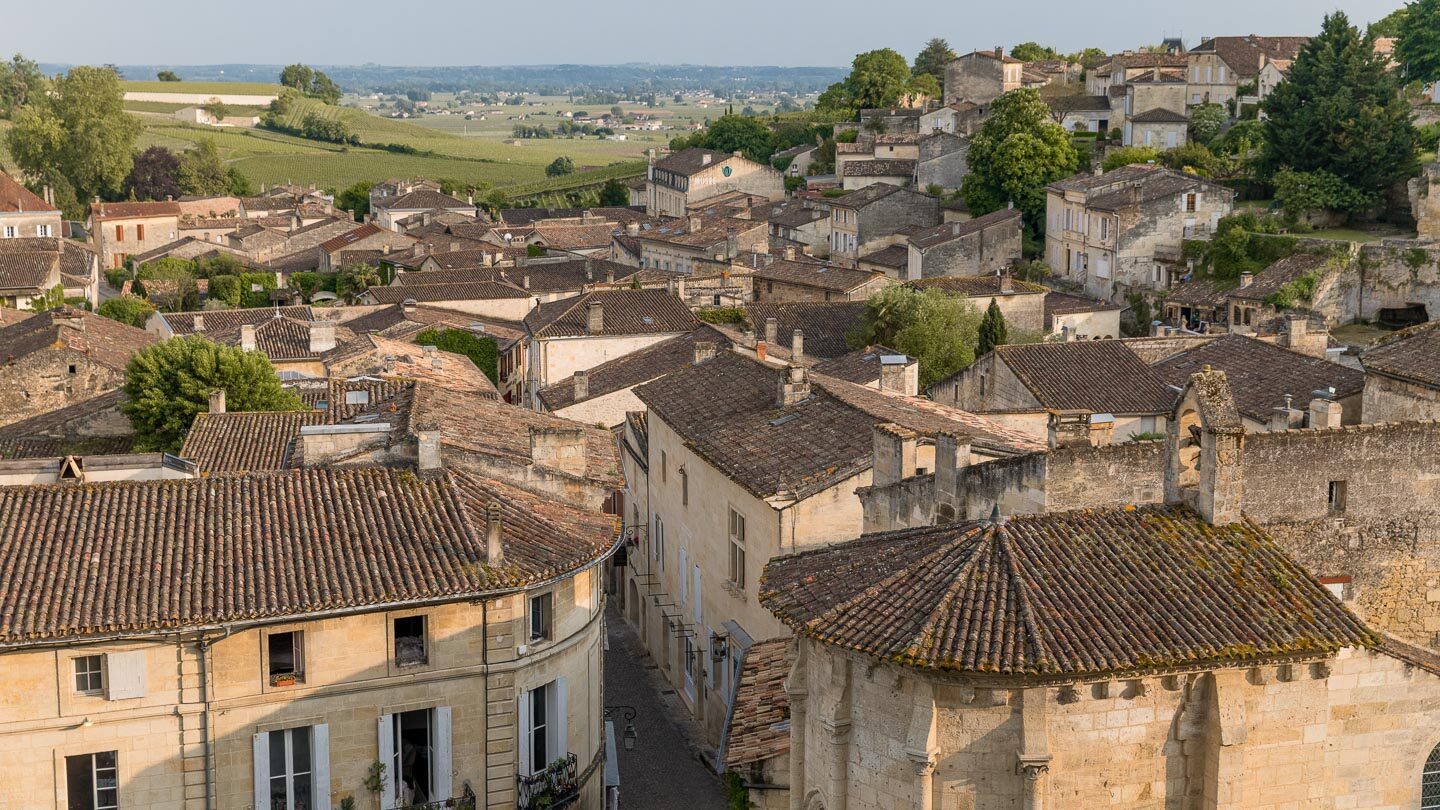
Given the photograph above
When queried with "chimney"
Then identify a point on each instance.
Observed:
(199, 323)
(632, 229)
(693, 223)
(1325, 412)
(428, 450)
(794, 386)
(797, 346)
(1287, 416)
(436, 362)
(1246, 279)
(217, 401)
(589, 270)
(1069, 429)
(789, 253)
(772, 330)
(454, 247)
(999, 52)
(559, 448)
(894, 454)
(322, 336)
(609, 275)
(761, 352)
(1007, 284)
(525, 281)
(582, 385)
(595, 317)
(705, 159)
(680, 288)
(494, 551)
(408, 306)
(732, 244)
(899, 374)
(429, 351)
(247, 337)
(704, 350)
(952, 454)
(1102, 430)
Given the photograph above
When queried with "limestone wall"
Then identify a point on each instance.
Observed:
(42, 381)
(1387, 399)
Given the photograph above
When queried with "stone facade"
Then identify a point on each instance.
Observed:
(1392, 399)
(974, 248)
(1349, 730)
(670, 191)
(136, 228)
(1425, 202)
(856, 230)
(982, 76)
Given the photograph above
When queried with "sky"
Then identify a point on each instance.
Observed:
(729, 32)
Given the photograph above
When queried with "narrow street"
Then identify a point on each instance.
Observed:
(663, 772)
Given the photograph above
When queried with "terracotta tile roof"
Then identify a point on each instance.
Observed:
(1160, 115)
(421, 200)
(391, 358)
(895, 256)
(28, 271)
(351, 237)
(1203, 292)
(329, 394)
(233, 549)
(50, 447)
(1269, 281)
(861, 366)
(132, 210)
(796, 216)
(824, 324)
(1413, 354)
(247, 441)
(1063, 104)
(1246, 55)
(692, 161)
(760, 719)
(983, 286)
(544, 277)
(219, 320)
(575, 237)
(530, 216)
(393, 320)
(1136, 61)
(635, 368)
(712, 231)
(1261, 373)
(639, 425)
(625, 312)
(1101, 376)
(819, 276)
(109, 343)
(726, 411)
(1058, 303)
(872, 193)
(278, 338)
(467, 291)
(71, 421)
(878, 168)
(15, 198)
(1119, 188)
(1097, 592)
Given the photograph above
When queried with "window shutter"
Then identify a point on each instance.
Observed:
(560, 713)
(526, 728)
(387, 757)
(126, 671)
(261, 744)
(320, 763)
(442, 754)
(695, 598)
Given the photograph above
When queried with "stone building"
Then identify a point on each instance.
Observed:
(793, 281)
(390, 210)
(60, 358)
(366, 238)
(981, 77)
(1152, 110)
(804, 225)
(676, 182)
(746, 460)
(1125, 658)
(33, 266)
(443, 621)
(986, 245)
(1021, 302)
(825, 326)
(24, 213)
(858, 174)
(687, 244)
(120, 230)
(1076, 317)
(864, 221)
(1402, 377)
(1219, 66)
(1121, 231)
(491, 297)
(403, 320)
(1425, 202)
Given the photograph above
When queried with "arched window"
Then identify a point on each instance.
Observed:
(1430, 782)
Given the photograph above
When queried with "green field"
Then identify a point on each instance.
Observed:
(218, 88)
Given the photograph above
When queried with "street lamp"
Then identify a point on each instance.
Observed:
(628, 713)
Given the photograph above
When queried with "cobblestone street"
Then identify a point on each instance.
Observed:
(663, 772)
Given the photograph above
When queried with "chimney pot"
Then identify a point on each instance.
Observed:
(704, 350)
(789, 253)
(429, 450)
(494, 549)
(797, 346)
(760, 351)
(217, 401)
(772, 330)
(322, 336)
(582, 385)
(199, 323)
(247, 337)
(595, 317)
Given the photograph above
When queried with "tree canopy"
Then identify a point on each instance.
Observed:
(614, 193)
(167, 76)
(938, 330)
(560, 166)
(737, 133)
(1034, 52)
(311, 82)
(1340, 112)
(932, 60)
(355, 199)
(155, 175)
(20, 81)
(877, 79)
(77, 136)
(168, 383)
(1418, 48)
(131, 309)
(993, 331)
(1015, 155)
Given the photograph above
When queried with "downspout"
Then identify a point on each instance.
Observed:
(203, 648)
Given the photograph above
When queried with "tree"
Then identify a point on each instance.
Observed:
(1033, 52)
(877, 79)
(217, 109)
(168, 383)
(1128, 156)
(1015, 155)
(614, 193)
(155, 175)
(167, 76)
(482, 351)
(1192, 158)
(922, 85)
(79, 134)
(202, 173)
(560, 166)
(297, 76)
(354, 279)
(933, 59)
(20, 81)
(617, 112)
(131, 309)
(1206, 121)
(938, 330)
(1418, 48)
(170, 281)
(237, 184)
(992, 330)
(53, 298)
(311, 82)
(1389, 25)
(738, 133)
(1340, 112)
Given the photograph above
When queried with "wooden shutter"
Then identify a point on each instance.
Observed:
(140, 233)
(260, 743)
(387, 756)
(441, 779)
(559, 716)
(320, 763)
(525, 728)
(126, 673)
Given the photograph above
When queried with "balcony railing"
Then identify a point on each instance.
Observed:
(465, 801)
(558, 785)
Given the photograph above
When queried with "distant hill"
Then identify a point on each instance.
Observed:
(540, 79)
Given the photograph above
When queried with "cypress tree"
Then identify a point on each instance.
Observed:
(993, 331)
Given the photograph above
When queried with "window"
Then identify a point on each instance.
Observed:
(1190, 202)
(542, 611)
(1335, 497)
(42, 230)
(410, 641)
(539, 739)
(1430, 782)
(357, 397)
(283, 651)
(684, 486)
(737, 548)
(982, 385)
(543, 733)
(90, 674)
(1104, 228)
(291, 766)
(9, 231)
(412, 760)
(73, 369)
(119, 233)
(92, 781)
(140, 233)
(664, 464)
(657, 546)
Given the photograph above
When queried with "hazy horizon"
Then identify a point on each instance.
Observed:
(744, 33)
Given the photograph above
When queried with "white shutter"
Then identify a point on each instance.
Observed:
(526, 729)
(320, 763)
(261, 745)
(387, 757)
(684, 566)
(126, 671)
(695, 599)
(442, 754)
(560, 713)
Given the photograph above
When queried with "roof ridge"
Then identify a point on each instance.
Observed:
(1035, 637)
(960, 582)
